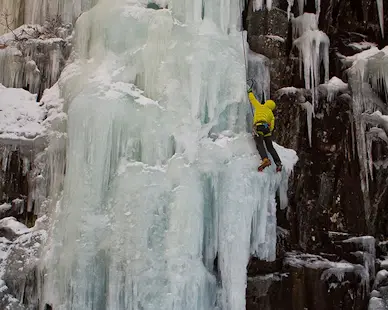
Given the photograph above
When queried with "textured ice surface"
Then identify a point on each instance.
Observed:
(161, 175)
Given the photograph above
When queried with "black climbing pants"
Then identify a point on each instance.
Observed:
(259, 140)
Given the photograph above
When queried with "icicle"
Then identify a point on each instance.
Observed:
(313, 48)
(289, 8)
(301, 4)
(318, 9)
(309, 114)
(380, 9)
(259, 5)
(303, 23)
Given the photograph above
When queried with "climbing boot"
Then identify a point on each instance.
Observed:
(265, 163)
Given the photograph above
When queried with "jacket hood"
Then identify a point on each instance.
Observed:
(270, 104)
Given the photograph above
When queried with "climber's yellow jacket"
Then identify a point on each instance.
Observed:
(263, 112)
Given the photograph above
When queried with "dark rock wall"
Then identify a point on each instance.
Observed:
(326, 203)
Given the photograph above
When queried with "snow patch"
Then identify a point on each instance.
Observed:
(333, 87)
(21, 116)
(16, 227)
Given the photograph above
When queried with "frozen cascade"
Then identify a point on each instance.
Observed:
(367, 75)
(313, 48)
(39, 11)
(157, 189)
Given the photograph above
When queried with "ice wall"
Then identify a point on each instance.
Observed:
(161, 175)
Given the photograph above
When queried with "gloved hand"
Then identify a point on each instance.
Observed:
(249, 90)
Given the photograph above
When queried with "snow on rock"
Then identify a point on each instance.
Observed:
(11, 228)
(376, 303)
(330, 269)
(381, 279)
(22, 117)
(361, 46)
(20, 114)
(333, 87)
(366, 243)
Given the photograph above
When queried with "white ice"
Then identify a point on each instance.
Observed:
(161, 174)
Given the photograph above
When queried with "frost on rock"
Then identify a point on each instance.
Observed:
(33, 56)
(331, 271)
(367, 79)
(161, 175)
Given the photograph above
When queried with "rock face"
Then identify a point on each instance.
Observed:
(328, 263)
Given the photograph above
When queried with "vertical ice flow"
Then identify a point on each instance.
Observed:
(380, 8)
(161, 178)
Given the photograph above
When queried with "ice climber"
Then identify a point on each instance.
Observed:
(263, 125)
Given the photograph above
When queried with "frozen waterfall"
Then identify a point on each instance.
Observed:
(161, 178)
